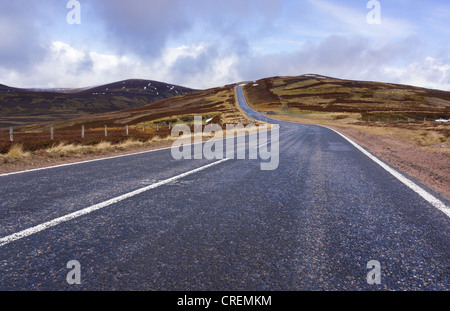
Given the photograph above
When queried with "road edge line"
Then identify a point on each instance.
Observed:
(416, 188)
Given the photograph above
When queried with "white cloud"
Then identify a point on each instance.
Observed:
(353, 20)
(67, 66)
(429, 73)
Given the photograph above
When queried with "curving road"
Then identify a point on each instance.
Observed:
(149, 222)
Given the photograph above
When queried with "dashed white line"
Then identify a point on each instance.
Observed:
(88, 210)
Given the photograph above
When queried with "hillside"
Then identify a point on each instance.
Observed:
(400, 124)
(20, 107)
(144, 122)
(216, 102)
(324, 97)
(395, 122)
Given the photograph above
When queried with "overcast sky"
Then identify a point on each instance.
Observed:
(208, 43)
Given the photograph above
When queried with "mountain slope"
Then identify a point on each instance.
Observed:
(217, 103)
(21, 106)
(331, 97)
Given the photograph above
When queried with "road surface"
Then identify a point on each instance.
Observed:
(149, 222)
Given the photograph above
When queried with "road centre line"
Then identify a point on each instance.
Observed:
(25, 233)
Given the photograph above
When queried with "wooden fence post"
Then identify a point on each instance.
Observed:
(82, 131)
(51, 133)
(126, 127)
(106, 131)
(11, 134)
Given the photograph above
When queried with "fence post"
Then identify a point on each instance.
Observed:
(82, 131)
(106, 131)
(126, 129)
(51, 133)
(11, 134)
(157, 127)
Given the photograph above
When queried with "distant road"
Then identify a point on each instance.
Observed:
(149, 222)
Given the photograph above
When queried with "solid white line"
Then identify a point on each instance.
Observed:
(100, 159)
(82, 162)
(85, 211)
(419, 190)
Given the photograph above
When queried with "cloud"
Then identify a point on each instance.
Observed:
(198, 66)
(428, 72)
(146, 28)
(355, 57)
(208, 67)
(205, 43)
(20, 39)
(143, 27)
(353, 19)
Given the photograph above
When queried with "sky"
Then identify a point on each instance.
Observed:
(208, 43)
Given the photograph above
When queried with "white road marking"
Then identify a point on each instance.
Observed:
(85, 211)
(419, 190)
(102, 159)
(82, 162)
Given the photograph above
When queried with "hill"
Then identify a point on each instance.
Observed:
(20, 107)
(400, 124)
(142, 123)
(218, 103)
(325, 97)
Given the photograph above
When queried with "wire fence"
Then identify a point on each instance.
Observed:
(106, 132)
(52, 136)
(404, 120)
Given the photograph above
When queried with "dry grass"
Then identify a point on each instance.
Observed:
(76, 150)
(130, 143)
(417, 134)
(15, 153)
(67, 150)
(64, 150)
(104, 146)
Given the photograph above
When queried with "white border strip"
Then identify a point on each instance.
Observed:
(423, 193)
(420, 191)
(85, 211)
(82, 162)
(112, 157)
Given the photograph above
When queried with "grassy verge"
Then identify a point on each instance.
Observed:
(18, 159)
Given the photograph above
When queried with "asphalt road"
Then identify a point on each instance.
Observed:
(313, 223)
